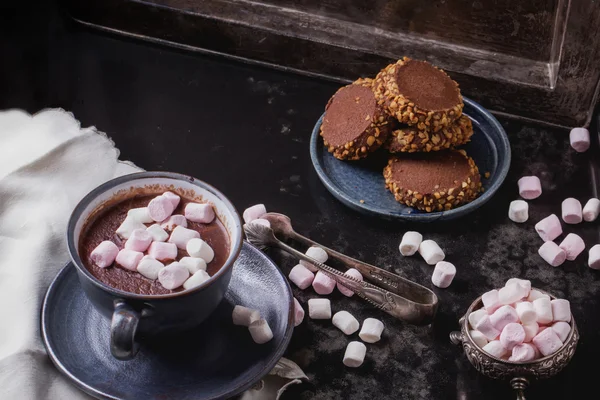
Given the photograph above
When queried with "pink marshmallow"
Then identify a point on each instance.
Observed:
(173, 198)
(573, 245)
(129, 259)
(549, 228)
(511, 293)
(512, 335)
(160, 208)
(547, 342)
(323, 284)
(562, 330)
(139, 240)
(443, 274)
(174, 221)
(543, 310)
(503, 316)
(485, 326)
(580, 139)
(495, 349)
(199, 212)
(531, 330)
(571, 211)
(354, 274)
(530, 187)
(561, 310)
(162, 251)
(490, 300)
(104, 254)
(591, 210)
(254, 212)
(523, 352)
(301, 276)
(173, 275)
(298, 312)
(181, 236)
(552, 254)
(594, 257)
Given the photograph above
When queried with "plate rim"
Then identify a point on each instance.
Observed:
(503, 169)
(268, 366)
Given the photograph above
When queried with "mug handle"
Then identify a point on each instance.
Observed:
(123, 328)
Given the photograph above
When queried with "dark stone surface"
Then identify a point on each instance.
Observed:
(245, 129)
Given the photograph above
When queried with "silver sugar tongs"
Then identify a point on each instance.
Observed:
(397, 296)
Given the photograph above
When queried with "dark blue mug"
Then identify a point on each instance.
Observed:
(135, 316)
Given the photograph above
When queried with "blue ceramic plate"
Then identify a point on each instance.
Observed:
(218, 360)
(353, 181)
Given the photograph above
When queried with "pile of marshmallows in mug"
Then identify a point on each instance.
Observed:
(147, 247)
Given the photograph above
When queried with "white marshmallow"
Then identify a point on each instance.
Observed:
(431, 252)
(410, 243)
(495, 348)
(371, 330)
(301, 276)
(518, 211)
(244, 316)
(478, 338)
(129, 259)
(502, 317)
(104, 254)
(484, 325)
(149, 267)
(562, 330)
(547, 342)
(543, 309)
(199, 212)
(254, 212)
(173, 221)
(139, 240)
(354, 273)
(491, 301)
(579, 139)
(193, 264)
(318, 254)
(345, 322)
(526, 284)
(530, 187)
(160, 208)
(512, 293)
(552, 254)
(443, 274)
(319, 308)
(523, 352)
(531, 330)
(594, 257)
(163, 251)
(561, 310)
(200, 249)
(571, 211)
(549, 228)
(476, 316)
(141, 215)
(181, 236)
(536, 294)
(129, 225)
(197, 279)
(355, 354)
(158, 234)
(573, 245)
(261, 221)
(173, 198)
(512, 335)
(260, 331)
(298, 312)
(591, 210)
(323, 284)
(173, 275)
(526, 312)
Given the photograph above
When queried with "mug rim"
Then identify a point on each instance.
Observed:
(236, 238)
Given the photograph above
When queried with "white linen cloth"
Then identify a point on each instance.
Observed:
(47, 164)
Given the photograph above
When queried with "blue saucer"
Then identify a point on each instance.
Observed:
(217, 360)
(353, 181)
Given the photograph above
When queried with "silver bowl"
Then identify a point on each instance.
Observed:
(518, 373)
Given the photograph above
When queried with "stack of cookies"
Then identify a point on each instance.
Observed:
(413, 111)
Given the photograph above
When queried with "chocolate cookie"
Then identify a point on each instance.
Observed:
(410, 139)
(354, 125)
(433, 182)
(419, 94)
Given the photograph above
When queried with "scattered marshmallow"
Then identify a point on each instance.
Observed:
(549, 228)
(104, 254)
(298, 312)
(410, 243)
(244, 316)
(485, 326)
(127, 227)
(478, 338)
(547, 342)
(158, 233)
(198, 248)
(523, 352)
(526, 312)
(260, 331)
(323, 284)
(573, 245)
(354, 273)
(254, 212)
(511, 293)
(345, 322)
(160, 208)
(531, 329)
(355, 354)
(591, 210)
(371, 330)
(129, 259)
(149, 267)
(174, 221)
(301, 276)
(552, 254)
(193, 264)
(431, 252)
(197, 279)
(476, 316)
(594, 257)
(543, 309)
(536, 294)
(518, 211)
(443, 274)
(512, 335)
(495, 348)
(530, 187)
(580, 139)
(571, 211)
(173, 198)
(318, 254)
(261, 221)
(139, 240)
(141, 214)
(319, 308)
(562, 330)
(173, 275)
(199, 212)
(163, 251)
(561, 310)
(491, 301)
(181, 236)
(503, 316)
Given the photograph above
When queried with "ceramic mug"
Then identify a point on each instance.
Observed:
(135, 316)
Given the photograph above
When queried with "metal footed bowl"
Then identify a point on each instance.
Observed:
(518, 373)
